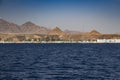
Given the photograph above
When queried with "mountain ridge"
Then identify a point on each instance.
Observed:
(30, 31)
(26, 28)
(31, 28)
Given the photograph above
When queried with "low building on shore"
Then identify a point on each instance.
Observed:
(108, 40)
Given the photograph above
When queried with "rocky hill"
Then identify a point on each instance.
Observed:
(56, 31)
(7, 27)
(26, 28)
(28, 31)
(31, 28)
(94, 32)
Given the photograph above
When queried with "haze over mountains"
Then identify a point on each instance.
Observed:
(31, 28)
(27, 28)
(7, 27)
(30, 31)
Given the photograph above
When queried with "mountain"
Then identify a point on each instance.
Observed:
(26, 28)
(94, 32)
(7, 27)
(56, 31)
(31, 28)
(27, 31)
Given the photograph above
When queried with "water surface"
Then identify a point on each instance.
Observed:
(59, 61)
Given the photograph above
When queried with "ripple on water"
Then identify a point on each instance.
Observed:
(59, 62)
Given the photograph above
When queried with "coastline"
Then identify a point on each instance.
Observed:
(47, 42)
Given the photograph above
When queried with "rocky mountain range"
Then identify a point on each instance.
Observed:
(31, 28)
(7, 27)
(26, 28)
(28, 31)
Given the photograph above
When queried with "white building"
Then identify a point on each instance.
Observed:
(108, 40)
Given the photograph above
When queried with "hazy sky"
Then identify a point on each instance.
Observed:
(80, 15)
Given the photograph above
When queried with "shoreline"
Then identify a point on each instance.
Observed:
(47, 42)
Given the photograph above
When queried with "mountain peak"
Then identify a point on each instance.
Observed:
(2, 21)
(8, 27)
(29, 23)
(57, 29)
(94, 32)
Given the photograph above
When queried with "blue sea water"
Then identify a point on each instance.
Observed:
(60, 61)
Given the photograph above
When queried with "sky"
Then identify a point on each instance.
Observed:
(76, 15)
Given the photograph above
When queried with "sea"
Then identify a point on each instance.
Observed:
(60, 61)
